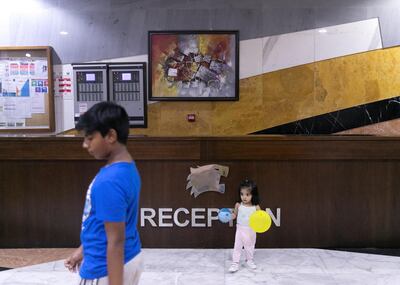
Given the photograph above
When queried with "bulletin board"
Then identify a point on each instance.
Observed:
(26, 90)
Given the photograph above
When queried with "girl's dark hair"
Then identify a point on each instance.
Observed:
(255, 199)
(102, 117)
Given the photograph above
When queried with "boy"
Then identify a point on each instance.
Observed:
(110, 243)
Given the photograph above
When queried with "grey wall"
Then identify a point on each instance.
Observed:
(102, 29)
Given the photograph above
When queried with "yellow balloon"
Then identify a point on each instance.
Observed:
(260, 221)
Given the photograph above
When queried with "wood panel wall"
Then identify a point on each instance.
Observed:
(331, 191)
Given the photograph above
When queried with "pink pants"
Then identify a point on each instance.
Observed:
(245, 237)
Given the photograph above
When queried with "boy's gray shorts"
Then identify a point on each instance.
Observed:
(132, 271)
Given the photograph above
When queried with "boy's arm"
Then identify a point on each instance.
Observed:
(235, 211)
(74, 260)
(115, 251)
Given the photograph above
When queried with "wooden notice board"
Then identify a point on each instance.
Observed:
(26, 90)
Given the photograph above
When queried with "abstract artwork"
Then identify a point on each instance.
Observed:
(193, 65)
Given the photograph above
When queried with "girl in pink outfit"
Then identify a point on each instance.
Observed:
(245, 237)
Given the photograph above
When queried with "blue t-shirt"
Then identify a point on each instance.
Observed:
(113, 196)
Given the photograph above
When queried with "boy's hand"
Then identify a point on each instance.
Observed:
(73, 262)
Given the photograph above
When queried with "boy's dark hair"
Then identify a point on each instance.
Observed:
(255, 199)
(104, 116)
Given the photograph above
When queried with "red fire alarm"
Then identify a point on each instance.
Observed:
(191, 117)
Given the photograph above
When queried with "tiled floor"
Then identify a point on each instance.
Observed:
(13, 258)
(209, 266)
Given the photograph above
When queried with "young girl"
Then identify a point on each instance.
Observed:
(245, 236)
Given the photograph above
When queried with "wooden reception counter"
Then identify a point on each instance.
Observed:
(322, 191)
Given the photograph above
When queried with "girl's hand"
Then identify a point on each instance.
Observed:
(235, 211)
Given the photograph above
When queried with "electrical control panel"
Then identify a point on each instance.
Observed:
(90, 86)
(127, 87)
(122, 83)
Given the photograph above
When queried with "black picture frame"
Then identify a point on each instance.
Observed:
(193, 65)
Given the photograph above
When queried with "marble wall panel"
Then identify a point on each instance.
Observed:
(288, 50)
(173, 118)
(359, 79)
(356, 118)
(388, 128)
(249, 59)
(289, 95)
(340, 40)
(293, 49)
(212, 118)
(349, 92)
(240, 116)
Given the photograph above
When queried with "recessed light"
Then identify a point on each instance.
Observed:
(64, 33)
(322, 31)
(28, 55)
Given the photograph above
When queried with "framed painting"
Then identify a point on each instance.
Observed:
(193, 65)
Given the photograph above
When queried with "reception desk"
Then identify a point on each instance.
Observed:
(322, 191)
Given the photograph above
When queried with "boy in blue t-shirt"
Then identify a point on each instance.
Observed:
(110, 243)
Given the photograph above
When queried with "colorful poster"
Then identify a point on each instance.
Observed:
(24, 68)
(14, 68)
(41, 69)
(23, 86)
(24, 89)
